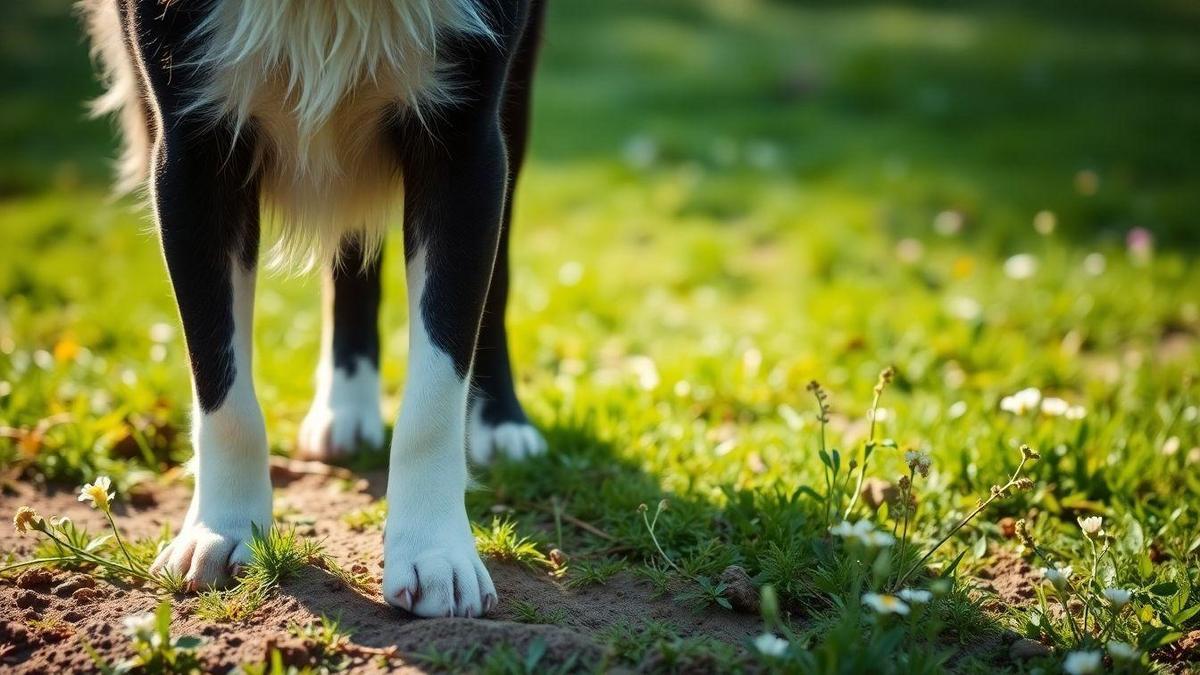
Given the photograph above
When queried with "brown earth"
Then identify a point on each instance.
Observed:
(47, 618)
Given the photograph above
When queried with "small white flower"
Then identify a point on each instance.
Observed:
(162, 332)
(97, 493)
(1171, 446)
(1092, 526)
(1121, 651)
(1118, 597)
(1075, 412)
(140, 626)
(1057, 577)
(1020, 266)
(1055, 407)
(877, 539)
(1022, 402)
(770, 645)
(885, 604)
(862, 531)
(1083, 663)
(957, 410)
(915, 596)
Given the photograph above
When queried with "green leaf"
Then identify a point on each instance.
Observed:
(1181, 617)
(98, 542)
(1164, 589)
(537, 649)
(980, 548)
(954, 565)
(188, 642)
(724, 602)
(162, 617)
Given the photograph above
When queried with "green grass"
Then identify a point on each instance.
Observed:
(726, 201)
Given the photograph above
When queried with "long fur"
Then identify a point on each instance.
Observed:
(315, 81)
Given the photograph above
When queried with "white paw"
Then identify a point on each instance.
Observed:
(212, 545)
(344, 415)
(514, 440)
(433, 570)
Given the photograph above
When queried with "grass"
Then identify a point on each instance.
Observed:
(764, 194)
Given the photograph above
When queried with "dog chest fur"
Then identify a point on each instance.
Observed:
(315, 82)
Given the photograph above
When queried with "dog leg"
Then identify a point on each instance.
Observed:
(208, 221)
(497, 424)
(345, 410)
(454, 192)
(206, 205)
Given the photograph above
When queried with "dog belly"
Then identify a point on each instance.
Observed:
(318, 186)
(317, 84)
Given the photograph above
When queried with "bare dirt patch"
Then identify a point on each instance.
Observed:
(46, 618)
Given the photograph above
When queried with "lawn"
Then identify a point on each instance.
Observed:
(727, 201)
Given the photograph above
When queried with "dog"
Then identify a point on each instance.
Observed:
(328, 119)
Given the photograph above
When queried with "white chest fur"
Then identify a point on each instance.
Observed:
(317, 80)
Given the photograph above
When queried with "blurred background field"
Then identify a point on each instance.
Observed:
(726, 199)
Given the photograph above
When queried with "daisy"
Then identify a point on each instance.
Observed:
(915, 596)
(1058, 577)
(848, 530)
(97, 493)
(1092, 526)
(1118, 597)
(1121, 651)
(1023, 402)
(885, 604)
(1055, 407)
(1082, 663)
(770, 645)
(140, 625)
(877, 539)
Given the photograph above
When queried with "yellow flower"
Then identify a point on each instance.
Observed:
(26, 519)
(97, 493)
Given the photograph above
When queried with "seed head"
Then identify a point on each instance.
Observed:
(27, 519)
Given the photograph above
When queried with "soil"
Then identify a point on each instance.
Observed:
(47, 617)
(1007, 580)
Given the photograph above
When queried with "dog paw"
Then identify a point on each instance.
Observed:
(329, 433)
(344, 415)
(431, 572)
(214, 542)
(511, 439)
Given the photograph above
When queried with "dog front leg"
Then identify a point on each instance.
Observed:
(207, 217)
(454, 191)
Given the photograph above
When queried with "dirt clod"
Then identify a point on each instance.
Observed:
(38, 577)
(739, 589)
(87, 594)
(1008, 576)
(1027, 649)
(30, 599)
(73, 584)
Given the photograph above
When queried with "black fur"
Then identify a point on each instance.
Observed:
(207, 206)
(356, 290)
(459, 169)
(494, 390)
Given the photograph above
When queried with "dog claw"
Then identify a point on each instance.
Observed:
(404, 600)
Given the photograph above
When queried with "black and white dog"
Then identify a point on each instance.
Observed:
(328, 117)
